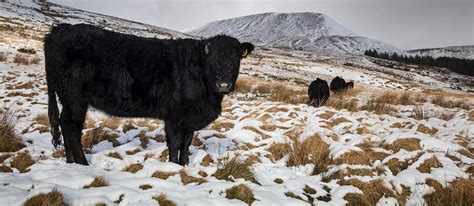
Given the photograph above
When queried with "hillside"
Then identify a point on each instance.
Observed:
(465, 52)
(402, 136)
(306, 31)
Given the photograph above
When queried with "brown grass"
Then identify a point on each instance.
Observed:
(409, 144)
(132, 152)
(53, 198)
(5, 169)
(133, 168)
(9, 140)
(240, 192)
(3, 57)
(162, 175)
(278, 181)
(339, 102)
(164, 155)
(207, 160)
(115, 155)
(97, 182)
(273, 91)
(279, 150)
(59, 153)
(236, 169)
(145, 187)
(460, 192)
(419, 113)
(378, 106)
(22, 161)
(26, 50)
(3, 157)
(35, 60)
(163, 200)
(96, 135)
(186, 179)
(427, 130)
(441, 101)
(21, 59)
(428, 164)
(311, 150)
(372, 192)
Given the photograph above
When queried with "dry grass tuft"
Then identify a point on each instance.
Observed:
(133, 168)
(97, 182)
(240, 192)
(21, 59)
(278, 181)
(5, 169)
(59, 153)
(419, 113)
(53, 198)
(164, 155)
(9, 140)
(428, 164)
(459, 192)
(3, 57)
(234, 168)
(278, 92)
(207, 160)
(3, 157)
(279, 150)
(409, 144)
(145, 187)
(373, 191)
(312, 150)
(441, 101)
(115, 155)
(186, 179)
(378, 106)
(427, 130)
(163, 200)
(162, 175)
(340, 101)
(35, 60)
(22, 161)
(132, 152)
(96, 135)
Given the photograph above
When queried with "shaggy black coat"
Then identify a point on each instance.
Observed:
(318, 92)
(350, 85)
(338, 85)
(180, 81)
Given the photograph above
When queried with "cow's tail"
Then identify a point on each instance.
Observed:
(53, 114)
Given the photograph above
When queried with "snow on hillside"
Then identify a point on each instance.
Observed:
(24, 22)
(307, 31)
(466, 52)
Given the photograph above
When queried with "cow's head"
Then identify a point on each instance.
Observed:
(223, 54)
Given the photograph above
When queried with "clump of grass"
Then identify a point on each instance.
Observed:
(22, 161)
(339, 102)
(53, 198)
(9, 140)
(459, 192)
(279, 92)
(145, 187)
(240, 192)
(163, 175)
(441, 101)
(428, 164)
(409, 144)
(207, 160)
(5, 169)
(133, 168)
(372, 192)
(21, 59)
(115, 155)
(279, 150)
(377, 106)
(26, 50)
(405, 99)
(163, 200)
(3, 57)
(419, 113)
(96, 135)
(311, 150)
(97, 182)
(236, 169)
(186, 179)
(35, 60)
(59, 153)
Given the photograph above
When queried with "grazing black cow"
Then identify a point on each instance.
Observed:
(350, 85)
(318, 92)
(338, 85)
(180, 81)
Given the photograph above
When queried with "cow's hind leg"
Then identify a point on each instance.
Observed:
(71, 121)
(173, 140)
(184, 153)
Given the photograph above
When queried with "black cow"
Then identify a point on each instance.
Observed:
(318, 92)
(338, 85)
(180, 81)
(350, 85)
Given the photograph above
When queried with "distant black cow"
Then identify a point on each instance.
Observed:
(318, 92)
(180, 81)
(350, 85)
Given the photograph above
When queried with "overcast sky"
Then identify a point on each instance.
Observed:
(406, 24)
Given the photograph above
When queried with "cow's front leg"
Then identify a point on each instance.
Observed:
(184, 153)
(173, 140)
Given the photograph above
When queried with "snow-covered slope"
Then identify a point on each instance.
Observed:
(306, 31)
(466, 52)
(25, 22)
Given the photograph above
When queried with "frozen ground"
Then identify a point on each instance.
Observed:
(247, 128)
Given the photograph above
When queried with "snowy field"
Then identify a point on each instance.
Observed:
(292, 154)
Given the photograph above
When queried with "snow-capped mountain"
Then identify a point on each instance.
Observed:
(466, 52)
(305, 31)
(29, 20)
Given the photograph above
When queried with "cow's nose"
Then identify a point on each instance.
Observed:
(223, 87)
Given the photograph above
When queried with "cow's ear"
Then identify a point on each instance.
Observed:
(247, 48)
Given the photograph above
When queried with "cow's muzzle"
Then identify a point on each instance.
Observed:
(223, 88)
